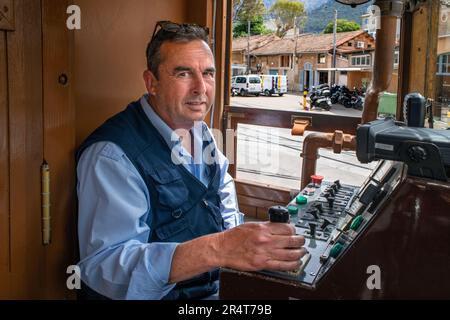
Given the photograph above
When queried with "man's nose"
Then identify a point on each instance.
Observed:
(199, 85)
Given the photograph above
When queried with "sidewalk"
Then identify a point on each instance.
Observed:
(289, 102)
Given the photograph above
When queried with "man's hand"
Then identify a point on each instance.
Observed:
(256, 246)
(248, 247)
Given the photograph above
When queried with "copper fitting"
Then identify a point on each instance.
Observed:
(338, 141)
(299, 127)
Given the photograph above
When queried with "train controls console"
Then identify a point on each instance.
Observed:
(331, 215)
(396, 222)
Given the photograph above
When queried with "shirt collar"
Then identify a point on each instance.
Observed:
(170, 136)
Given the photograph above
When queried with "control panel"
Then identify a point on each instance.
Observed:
(331, 216)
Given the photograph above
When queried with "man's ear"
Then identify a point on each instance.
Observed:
(150, 82)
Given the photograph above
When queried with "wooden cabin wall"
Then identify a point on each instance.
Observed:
(36, 124)
(4, 166)
(42, 117)
(21, 152)
(109, 52)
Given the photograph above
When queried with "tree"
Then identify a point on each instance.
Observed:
(256, 27)
(342, 26)
(287, 13)
(247, 10)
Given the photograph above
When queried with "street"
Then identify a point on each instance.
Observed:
(289, 102)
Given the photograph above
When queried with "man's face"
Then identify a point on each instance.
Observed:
(184, 91)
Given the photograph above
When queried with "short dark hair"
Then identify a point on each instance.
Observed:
(171, 32)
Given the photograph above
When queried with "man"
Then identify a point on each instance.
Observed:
(157, 217)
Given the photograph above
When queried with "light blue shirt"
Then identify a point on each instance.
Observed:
(114, 203)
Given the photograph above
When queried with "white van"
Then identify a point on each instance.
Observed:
(273, 84)
(246, 84)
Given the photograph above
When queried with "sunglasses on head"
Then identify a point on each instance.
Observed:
(170, 26)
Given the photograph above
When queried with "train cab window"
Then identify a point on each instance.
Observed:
(334, 83)
(442, 77)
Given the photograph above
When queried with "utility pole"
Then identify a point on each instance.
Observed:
(295, 44)
(248, 46)
(333, 73)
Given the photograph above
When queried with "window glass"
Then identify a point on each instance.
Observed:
(322, 58)
(272, 156)
(442, 93)
(304, 56)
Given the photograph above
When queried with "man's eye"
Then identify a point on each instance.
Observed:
(209, 74)
(183, 74)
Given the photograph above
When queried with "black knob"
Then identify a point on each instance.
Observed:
(318, 206)
(330, 202)
(278, 214)
(331, 192)
(417, 153)
(338, 184)
(334, 188)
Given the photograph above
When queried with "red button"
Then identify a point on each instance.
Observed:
(317, 180)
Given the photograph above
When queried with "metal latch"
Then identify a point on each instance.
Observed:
(7, 15)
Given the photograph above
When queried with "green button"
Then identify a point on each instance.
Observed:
(301, 200)
(336, 250)
(356, 223)
(292, 209)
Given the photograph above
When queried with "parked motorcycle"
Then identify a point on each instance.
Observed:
(320, 97)
(322, 103)
(357, 102)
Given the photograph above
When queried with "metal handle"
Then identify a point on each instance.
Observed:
(45, 199)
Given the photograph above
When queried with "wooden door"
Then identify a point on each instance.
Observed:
(35, 124)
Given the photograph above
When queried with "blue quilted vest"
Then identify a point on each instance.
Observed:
(182, 207)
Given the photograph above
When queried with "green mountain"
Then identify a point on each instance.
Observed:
(321, 16)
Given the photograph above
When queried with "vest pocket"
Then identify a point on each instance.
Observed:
(172, 191)
(215, 213)
(175, 231)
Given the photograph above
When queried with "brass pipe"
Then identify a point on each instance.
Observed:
(381, 78)
(45, 199)
(384, 56)
(316, 140)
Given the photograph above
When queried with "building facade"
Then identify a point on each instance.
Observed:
(307, 59)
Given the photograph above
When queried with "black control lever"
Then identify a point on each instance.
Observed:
(278, 214)
(338, 184)
(325, 224)
(313, 212)
(335, 188)
(318, 206)
(312, 229)
(330, 202)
